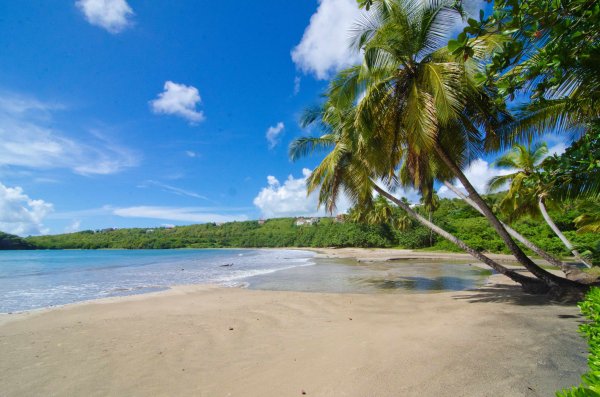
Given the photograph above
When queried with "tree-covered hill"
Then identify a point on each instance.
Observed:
(12, 242)
(454, 215)
(280, 232)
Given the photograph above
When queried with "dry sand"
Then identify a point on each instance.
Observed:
(212, 341)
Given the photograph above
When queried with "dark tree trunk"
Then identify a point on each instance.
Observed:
(529, 284)
(551, 280)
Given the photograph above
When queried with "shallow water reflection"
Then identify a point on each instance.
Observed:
(407, 276)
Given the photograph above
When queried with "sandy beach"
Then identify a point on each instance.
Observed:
(214, 341)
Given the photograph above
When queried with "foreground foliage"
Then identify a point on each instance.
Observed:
(590, 308)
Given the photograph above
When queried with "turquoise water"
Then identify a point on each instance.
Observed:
(36, 279)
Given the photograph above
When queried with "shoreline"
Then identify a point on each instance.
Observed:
(360, 255)
(369, 255)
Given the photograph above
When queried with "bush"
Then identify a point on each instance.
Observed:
(590, 307)
(417, 237)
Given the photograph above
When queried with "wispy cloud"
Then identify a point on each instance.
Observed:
(182, 214)
(172, 189)
(273, 134)
(74, 226)
(297, 81)
(112, 15)
(179, 100)
(28, 139)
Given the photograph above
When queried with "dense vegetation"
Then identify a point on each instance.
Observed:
(273, 233)
(12, 242)
(455, 216)
(590, 308)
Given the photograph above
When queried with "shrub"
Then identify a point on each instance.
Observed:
(590, 307)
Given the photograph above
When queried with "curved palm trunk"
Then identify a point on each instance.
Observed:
(529, 283)
(552, 260)
(551, 280)
(557, 231)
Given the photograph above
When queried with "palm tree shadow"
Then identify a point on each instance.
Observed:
(513, 294)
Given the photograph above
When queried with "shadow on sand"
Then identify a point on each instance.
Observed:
(513, 294)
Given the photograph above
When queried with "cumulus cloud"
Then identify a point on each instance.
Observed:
(290, 199)
(324, 47)
(479, 173)
(27, 140)
(179, 100)
(183, 214)
(273, 134)
(20, 214)
(112, 15)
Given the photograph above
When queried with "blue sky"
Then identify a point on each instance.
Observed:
(130, 113)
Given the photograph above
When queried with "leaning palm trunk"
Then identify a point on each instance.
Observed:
(551, 280)
(530, 284)
(552, 260)
(557, 231)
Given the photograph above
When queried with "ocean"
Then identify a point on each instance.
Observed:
(36, 279)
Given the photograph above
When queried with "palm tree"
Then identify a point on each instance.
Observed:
(527, 194)
(430, 204)
(570, 271)
(411, 93)
(353, 164)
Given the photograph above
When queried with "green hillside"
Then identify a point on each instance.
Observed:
(453, 215)
(12, 242)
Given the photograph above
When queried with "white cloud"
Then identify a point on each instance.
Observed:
(179, 100)
(273, 134)
(26, 141)
(112, 15)
(74, 226)
(412, 195)
(297, 81)
(19, 214)
(324, 48)
(479, 173)
(558, 149)
(185, 214)
(290, 199)
(172, 189)
(191, 153)
(472, 7)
